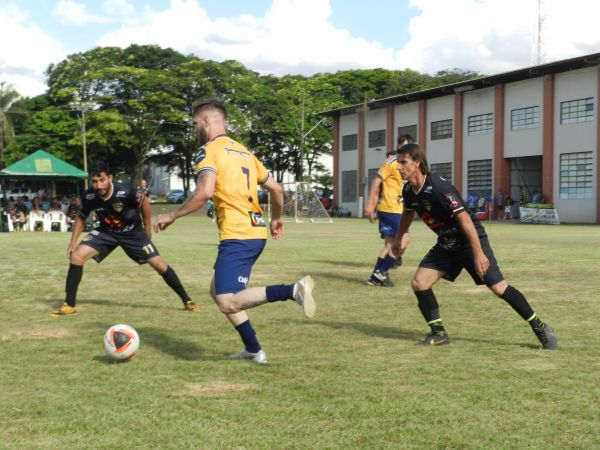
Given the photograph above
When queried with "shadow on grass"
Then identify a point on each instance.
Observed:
(365, 328)
(178, 348)
(367, 266)
(348, 279)
(405, 335)
(131, 304)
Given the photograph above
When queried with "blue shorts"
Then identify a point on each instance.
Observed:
(234, 264)
(388, 223)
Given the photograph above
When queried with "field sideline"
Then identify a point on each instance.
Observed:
(350, 378)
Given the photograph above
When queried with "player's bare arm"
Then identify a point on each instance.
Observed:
(276, 192)
(147, 217)
(466, 225)
(369, 210)
(77, 230)
(405, 223)
(205, 187)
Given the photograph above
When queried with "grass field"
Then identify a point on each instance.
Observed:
(350, 378)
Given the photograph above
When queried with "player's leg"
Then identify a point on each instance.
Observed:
(495, 281)
(422, 285)
(388, 225)
(519, 303)
(141, 250)
(170, 276)
(74, 275)
(228, 288)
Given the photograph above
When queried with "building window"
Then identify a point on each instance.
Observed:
(349, 186)
(377, 138)
(480, 124)
(350, 142)
(576, 177)
(524, 118)
(444, 170)
(575, 111)
(409, 129)
(441, 130)
(479, 184)
(371, 176)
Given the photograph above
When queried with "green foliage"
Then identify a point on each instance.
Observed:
(352, 378)
(140, 98)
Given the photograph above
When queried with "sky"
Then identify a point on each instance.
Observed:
(301, 36)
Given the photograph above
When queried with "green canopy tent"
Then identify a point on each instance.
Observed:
(42, 166)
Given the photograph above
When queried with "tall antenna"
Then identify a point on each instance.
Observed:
(538, 53)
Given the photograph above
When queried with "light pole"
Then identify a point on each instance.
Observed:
(82, 107)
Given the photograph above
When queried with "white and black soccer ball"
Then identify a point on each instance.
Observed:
(121, 342)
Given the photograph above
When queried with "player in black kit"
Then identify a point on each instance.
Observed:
(117, 207)
(462, 244)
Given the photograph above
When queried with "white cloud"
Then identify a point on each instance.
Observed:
(493, 36)
(25, 57)
(70, 12)
(296, 36)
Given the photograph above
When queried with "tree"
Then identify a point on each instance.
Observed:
(8, 96)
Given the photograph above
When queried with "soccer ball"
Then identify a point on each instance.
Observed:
(121, 342)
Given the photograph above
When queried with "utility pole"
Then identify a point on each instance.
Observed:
(82, 107)
(301, 140)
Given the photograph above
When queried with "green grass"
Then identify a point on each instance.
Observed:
(350, 378)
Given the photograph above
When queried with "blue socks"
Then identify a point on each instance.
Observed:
(384, 264)
(248, 336)
(280, 292)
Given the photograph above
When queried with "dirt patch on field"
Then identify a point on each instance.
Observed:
(212, 389)
(39, 333)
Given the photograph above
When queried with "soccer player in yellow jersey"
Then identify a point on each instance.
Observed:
(385, 195)
(229, 173)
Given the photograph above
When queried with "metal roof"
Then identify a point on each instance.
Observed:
(477, 83)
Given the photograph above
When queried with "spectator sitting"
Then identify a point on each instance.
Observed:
(73, 211)
(45, 203)
(14, 215)
(22, 206)
(64, 204)
(536, 197)
(55, 205)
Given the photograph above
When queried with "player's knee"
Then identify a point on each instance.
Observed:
(228, 307)
(77, 258)
(418, 284)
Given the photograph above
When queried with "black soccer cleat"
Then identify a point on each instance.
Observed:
(380, 279)
(546, 336)
(435, 338)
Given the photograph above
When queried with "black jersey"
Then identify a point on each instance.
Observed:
(437, 203)
(120, 213)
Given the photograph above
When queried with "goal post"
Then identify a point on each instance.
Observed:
(302, 205)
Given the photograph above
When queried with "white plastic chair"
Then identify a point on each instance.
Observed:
(56, 217)
(9, 223)
(35, 218)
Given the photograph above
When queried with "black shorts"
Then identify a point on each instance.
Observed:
(453, 262)
(135, 244)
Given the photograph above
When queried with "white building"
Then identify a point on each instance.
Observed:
(536, 127)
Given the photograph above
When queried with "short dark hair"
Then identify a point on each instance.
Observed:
(99, 167)
(405, 137)
(210, 102)
(417, 154)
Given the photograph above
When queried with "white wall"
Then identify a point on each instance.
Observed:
(406, 115)
(348, 159)
(441, 150)
(575, 137)
(523, 94)
(477, 146)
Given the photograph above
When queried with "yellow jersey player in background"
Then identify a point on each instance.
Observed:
(385, 195)
(229, 173)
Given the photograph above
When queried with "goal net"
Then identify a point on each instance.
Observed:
(301, 204)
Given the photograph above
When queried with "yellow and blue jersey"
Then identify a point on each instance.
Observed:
(390, 198)
(238, 173)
